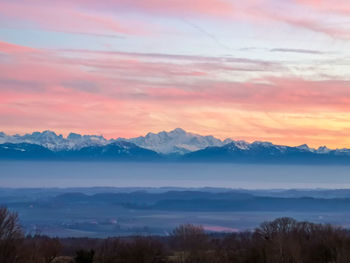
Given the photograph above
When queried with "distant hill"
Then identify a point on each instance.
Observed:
(265, 152)
(201, 201)
(103, 212)
(24, 151)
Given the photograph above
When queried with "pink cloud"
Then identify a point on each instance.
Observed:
(341, 7)
(9, 48)
(127, 94)
(95, 17)
(183, 7)
(138, 78)
(62, 18)
(165, 8)
(315, 25)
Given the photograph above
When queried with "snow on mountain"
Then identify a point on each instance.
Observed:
(237, 145)
(305, 147)
(176, 141)
(323, 150)
(52, 141)
(77, 141)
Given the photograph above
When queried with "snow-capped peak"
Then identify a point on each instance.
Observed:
(304, 147)
(323, 149)
(74, 136)
(52, 141)
(176, 141)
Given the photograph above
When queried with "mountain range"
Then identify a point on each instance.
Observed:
(176, 145)
(176, 141)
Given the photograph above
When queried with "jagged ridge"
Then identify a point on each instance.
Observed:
(189, 146)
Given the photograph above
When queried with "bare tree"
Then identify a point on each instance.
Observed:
(11, 236)
(191, 243)
(40, 249)
(190, 237)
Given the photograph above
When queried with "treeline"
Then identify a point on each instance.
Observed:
(283, 240)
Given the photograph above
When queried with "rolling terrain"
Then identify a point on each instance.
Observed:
(101, 212)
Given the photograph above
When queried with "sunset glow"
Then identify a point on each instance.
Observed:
(248, 70)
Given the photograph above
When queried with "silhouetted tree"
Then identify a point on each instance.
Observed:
(84, 256)
(191, 243)
(137, 250)
(283, 240)
(40, 249)
(10, 236)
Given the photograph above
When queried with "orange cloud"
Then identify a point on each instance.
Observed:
(128, 94)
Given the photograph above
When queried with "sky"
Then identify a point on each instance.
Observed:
(249, 70)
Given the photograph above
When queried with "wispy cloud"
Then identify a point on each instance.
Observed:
(125, 67)
(126, 94)
(61, 18)
(96, 17)
(294, 50)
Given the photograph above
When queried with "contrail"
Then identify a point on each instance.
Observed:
(206, 33)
